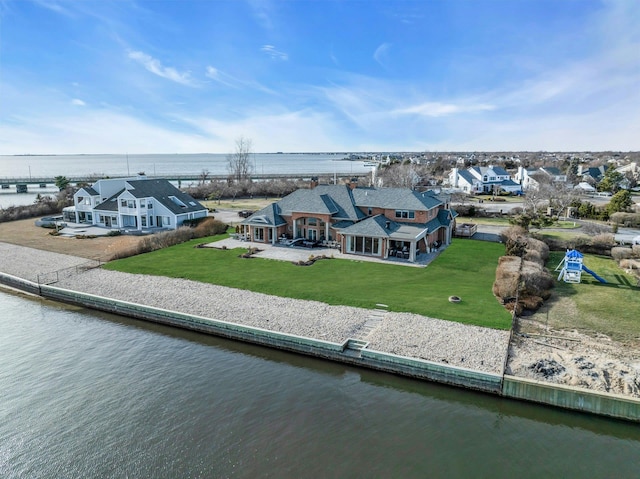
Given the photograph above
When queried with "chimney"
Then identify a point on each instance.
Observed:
(314, 182)
(353, 183)
(455, 177)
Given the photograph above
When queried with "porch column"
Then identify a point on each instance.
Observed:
(273, 235)
(412, 252)
(326, 231)
(295, 229)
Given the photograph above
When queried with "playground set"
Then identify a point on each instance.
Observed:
(572, 266)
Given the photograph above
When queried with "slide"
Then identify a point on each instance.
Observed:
(587, 270)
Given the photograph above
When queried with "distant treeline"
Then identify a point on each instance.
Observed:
(43, 206)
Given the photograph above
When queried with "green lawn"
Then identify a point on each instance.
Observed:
(591, 306)
(465, 269)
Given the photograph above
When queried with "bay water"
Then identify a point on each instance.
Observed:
(90, 395)
(99, 166)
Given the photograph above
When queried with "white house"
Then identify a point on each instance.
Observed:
(134, 204)
(482, 179)
(531, 177)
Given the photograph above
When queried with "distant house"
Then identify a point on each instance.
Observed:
(380, 222)
(632, 169)
(592, 173)
(584, 187)
(482, 179)
(531, 177)
(133, 204)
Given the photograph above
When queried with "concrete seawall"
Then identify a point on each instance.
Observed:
(568, 397)
(354, 352)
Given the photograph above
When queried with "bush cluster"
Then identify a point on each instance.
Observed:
(207, 227)
(45, 207)
(628, 220)
(520, 273)
(599, 244)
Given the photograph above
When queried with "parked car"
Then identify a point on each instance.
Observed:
(245, 213)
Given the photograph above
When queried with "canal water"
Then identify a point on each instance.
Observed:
(85, 394)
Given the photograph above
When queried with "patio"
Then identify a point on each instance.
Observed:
(301, 253)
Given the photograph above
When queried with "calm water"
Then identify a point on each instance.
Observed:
(92, 395)
(120, 165)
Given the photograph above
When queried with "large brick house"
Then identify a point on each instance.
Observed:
(369, 221)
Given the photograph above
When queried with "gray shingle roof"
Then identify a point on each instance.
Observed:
(267, 216)
(110, 204)
(90, 191)
(467, 176)
(335, 200)
(395, 199)
(162, 191)
(376, 227)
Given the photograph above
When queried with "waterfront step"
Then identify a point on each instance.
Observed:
(373, 321)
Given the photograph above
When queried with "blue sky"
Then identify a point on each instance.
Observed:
(191, 76)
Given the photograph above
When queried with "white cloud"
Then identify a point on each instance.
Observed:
(436, 109)
(273, 53)
(77, 102)
(155, 66)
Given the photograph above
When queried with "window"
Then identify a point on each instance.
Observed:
(363, 245)
(123, 203)
(143, 203)
(369, 211)
(143, 221)
(166, 221)
(405, 214)
(177, 202)
(131, 203)
(312, 221)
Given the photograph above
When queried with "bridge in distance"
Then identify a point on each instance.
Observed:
(179, 178)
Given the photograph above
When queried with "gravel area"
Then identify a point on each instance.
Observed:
(28, 263)
(399, 333)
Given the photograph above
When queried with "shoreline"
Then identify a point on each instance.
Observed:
(399, 343)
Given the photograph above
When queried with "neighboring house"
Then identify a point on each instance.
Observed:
(584, 187)
(133, 204)
(482, 179)
(380, 222)
(592, 173)
(632, 168)
(531, 177)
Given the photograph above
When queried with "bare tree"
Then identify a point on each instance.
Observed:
(239, 164)
(399, 176)
(202, 178)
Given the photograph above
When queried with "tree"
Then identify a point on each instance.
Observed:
(202, 178)
(239, 164)
(621, 201)
(611, 181)
(61, 182)
(397, 175)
